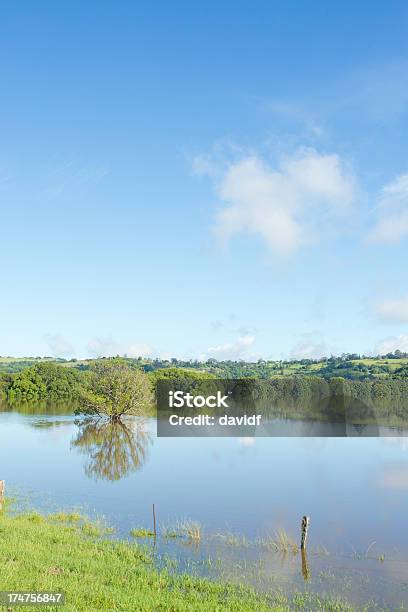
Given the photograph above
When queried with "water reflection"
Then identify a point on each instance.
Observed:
(355, 490)
(305, 565)
(48, 424)
(113, 449)
(37, 407)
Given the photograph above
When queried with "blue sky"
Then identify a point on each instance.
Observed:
(223, 180)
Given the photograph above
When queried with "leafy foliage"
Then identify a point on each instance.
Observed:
(377, 379)
(113, 390)
(44, 381)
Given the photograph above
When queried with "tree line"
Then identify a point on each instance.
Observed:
(96, 386)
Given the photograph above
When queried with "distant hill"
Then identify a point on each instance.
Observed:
(349, 366)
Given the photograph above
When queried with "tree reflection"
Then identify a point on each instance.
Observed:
(114, 449)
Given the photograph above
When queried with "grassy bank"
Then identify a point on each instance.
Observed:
(64, 553)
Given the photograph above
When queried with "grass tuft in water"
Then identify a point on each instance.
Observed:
(232, 539)
(96, 529)
(279, 542)
(141, 532)
(105, 574)
(366, 555)
(184, 529)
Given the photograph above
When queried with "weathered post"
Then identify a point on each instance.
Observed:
(305, 565)
(154, 522)
(304, 529)
(2, 487)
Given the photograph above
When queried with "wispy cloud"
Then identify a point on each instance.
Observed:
(393, 311)
(375, 92)
(232, 324)
(310, 346)
(59, 346)
(391, 344)
(297, 115)
(283, 205)
(108, 347)
(392, 213)
(368, 94)
(379, 92)
(238, 349)
(70, 176)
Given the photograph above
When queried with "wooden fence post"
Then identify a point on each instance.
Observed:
(305, 565)
(304, 529)
(154, 522)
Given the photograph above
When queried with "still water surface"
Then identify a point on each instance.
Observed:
(354, 489)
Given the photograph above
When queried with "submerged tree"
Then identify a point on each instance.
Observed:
(114, 390)
(114, 448)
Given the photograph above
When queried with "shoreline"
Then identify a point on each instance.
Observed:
(59, 552)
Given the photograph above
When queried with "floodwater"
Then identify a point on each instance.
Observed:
(242, 491)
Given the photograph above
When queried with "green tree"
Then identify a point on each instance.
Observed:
(45, 381)
(114, 390)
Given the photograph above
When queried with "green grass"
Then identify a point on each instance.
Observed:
(141, 532)
(31, 360)
(190, 529)
(66, 517)
(49, 553)
(279, 542)
(184, 529)
(232, 539)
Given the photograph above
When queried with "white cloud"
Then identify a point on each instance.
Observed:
(390, 230)
(283, 206)
(230, 350)
(398, 188)
(391, 344)
(324, 177)
(108, 347)
(204, 165)
(393, 311)
(311, 346)
(379, 92)
(59, 346)
(297, 115)
(392, 213)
